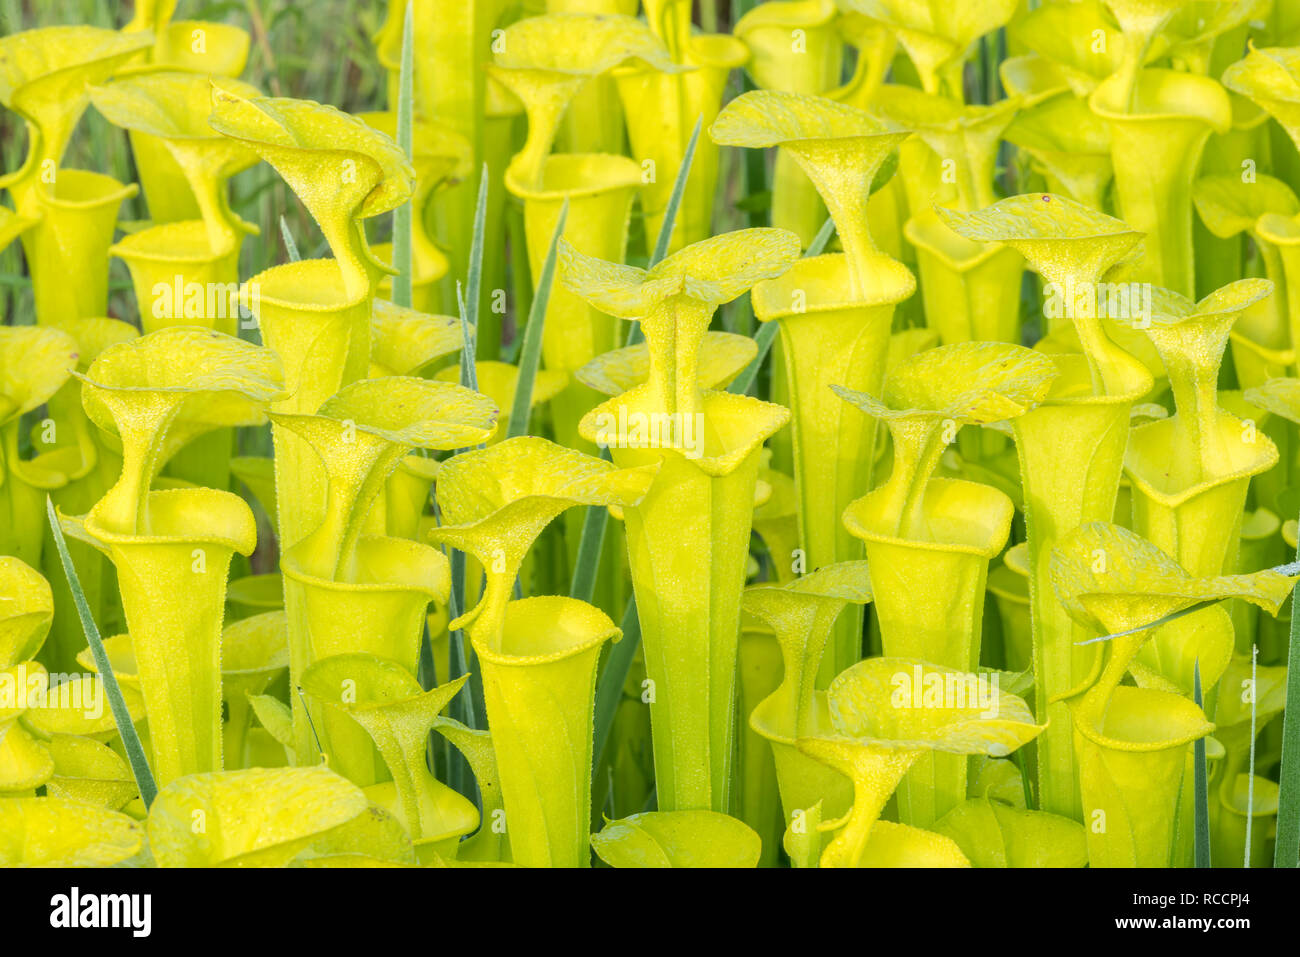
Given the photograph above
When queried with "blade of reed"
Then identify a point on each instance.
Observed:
(1025, 777)
(464, 704)
(1250, 774)
(531, 354)
(609, 688)
(821, 239)
(1286, 852)
(766, 334)
(121, 716)
(403, 214)
(1201, 797)
(670, 218)
(520, 281)
(587, 565)
(290, 246)
(475, 284)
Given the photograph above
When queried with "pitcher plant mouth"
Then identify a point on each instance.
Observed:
(1071, 247)
(495, 513)
(387, 701)
(839, 147)
(937, 45)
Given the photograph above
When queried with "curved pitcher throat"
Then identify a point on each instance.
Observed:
(959, 529)
(322, 334)
(674, 331)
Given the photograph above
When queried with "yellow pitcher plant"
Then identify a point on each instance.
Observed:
(689, 577)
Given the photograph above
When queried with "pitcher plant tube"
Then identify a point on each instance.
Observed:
(688, 539)
(156, 393)
(1084, 418)
(358, 589)
(918, 528)
(834, 312)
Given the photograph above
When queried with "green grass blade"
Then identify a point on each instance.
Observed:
(1250, 772)
(531, 354)
(463, 705)
(1025, 777)
(474, 285)
(670, 216)
(290, 246)
(1286, 853)
(521, 284)
(765, 336)
(821, 239)
(121, 717)
(587, 565)
(609, 688)
(468, 368)
(675, 197)
(403, 214)
(1201, 786)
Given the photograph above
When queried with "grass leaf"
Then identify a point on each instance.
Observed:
(475, 280)
(765, 336)
(587, 565)
(609, 688)
(675, 198)
(531, 354)
(821, 239)
(1201, 787)
(670, 216)
(1286, 852)
(121, 716)
(402, 215)
(468, 367)
(290, 246)
(1250, 772)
